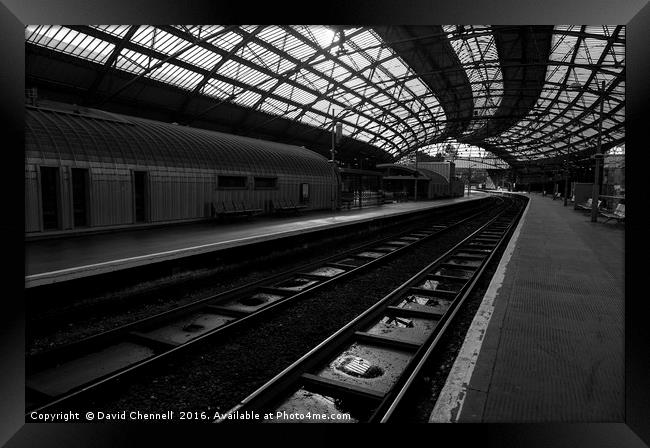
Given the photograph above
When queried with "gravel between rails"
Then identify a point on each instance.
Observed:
(215, 376)
(421, 399)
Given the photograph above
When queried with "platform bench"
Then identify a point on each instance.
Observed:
(587, 205)
(286, 206)
(618, 214)
(226, 209)
(347, 199)
(388, 198)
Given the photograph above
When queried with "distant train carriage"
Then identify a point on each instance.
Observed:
(86, 169)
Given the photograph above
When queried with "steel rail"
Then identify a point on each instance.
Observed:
(386, 415)
(298, 374)
(129, 333)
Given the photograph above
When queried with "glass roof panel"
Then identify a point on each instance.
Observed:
(178, 76)
(566, 116)
(69, 41)
(247, 98)
(115, 30)
(475, 47)
(217, 89)
(200, 57)
(321, 74)
(199, 31)
(245, 65)
(134, 62)
(225, 41)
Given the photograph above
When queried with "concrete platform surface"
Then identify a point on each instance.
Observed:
(53, 260)
(554, 312)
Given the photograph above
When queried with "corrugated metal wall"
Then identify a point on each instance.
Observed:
(445, 169)
(111, 196)
(437, 190)
(179, 194)
(175, 189)
(172, 194)
(109, 199)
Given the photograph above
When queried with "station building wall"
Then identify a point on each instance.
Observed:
(110, 162)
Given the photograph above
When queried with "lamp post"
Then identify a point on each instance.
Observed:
(469, 175)
(415, 175)
(566, 174)
(595, 192)
(334, 130)
(336, 203)
(566, 181)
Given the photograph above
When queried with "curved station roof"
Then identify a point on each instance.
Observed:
(525, 94)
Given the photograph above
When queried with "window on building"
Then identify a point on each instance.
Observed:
(304, 192)
(231, 181)
(266, 183)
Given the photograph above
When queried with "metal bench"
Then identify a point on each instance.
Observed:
(389, 197)
(246, 208)
(587, 205)
(226, 209)
(618, 214)
(286, 206)
(347, 199)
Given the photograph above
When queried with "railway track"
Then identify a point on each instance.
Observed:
(363, 371)
(75, 369)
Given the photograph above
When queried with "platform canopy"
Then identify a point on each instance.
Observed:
(526, 94)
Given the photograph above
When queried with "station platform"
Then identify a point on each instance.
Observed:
(547, 343)
(56, 260)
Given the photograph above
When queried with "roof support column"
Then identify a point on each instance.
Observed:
(595, 192)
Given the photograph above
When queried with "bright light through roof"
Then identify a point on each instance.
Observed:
(324, 35)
